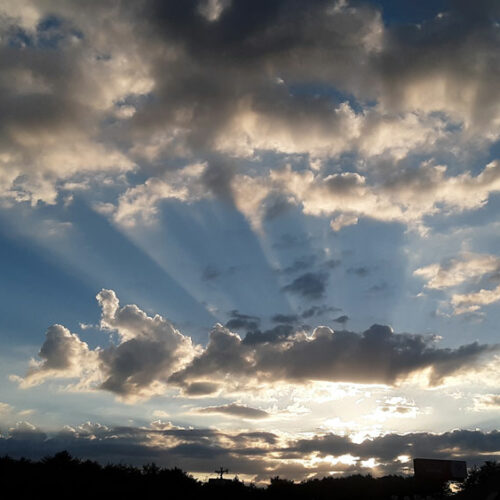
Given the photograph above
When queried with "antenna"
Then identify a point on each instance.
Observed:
(221, 472)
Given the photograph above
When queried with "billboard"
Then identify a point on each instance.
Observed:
(439, 470)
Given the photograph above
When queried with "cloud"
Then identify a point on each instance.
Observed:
(156, 87)
(342, 319)
(452, 272)
(235, 410)
(308, 285)
(318, 311)
(148, 351)
(471, 302)
(150, 356)
(407, 196)
(5, 409)
(343, 220)
(468, 269)
(395, 407)
(63, 355)
(56, 93)
(140, 203)
(377, 356)
(300, 264)
(486, 402)
(240, 321)
(257, 454)
(390, 446)
(276, 334)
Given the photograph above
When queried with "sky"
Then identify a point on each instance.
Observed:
(250, 234)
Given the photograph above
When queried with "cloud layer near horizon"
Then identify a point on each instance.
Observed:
(255, 454)
(150, 355)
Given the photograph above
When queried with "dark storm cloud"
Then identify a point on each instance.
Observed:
(235, 410)
(309, 285)
(256, 453)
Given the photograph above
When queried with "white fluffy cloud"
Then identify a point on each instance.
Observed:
(452, 272)
(141, 202)
(469, 268)
(59, 83)
(472, 302)
(407, 197)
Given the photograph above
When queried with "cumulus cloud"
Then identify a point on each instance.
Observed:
(148, 351)
(63, 355)
(378, 355)
(151, 355)
(406, 197)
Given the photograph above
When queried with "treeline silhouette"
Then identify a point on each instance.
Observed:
(64, 477)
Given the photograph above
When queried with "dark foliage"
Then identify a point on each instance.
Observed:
(62, 476)
(482, 482)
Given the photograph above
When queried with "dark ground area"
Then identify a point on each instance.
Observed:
(64, 477)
